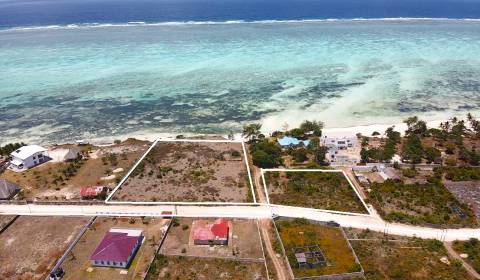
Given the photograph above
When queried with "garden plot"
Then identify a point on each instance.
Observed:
(320, 189)
(189, 171)
(316, 250)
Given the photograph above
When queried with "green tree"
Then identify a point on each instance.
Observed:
(252, 131)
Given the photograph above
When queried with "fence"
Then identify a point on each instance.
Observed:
(360, 273)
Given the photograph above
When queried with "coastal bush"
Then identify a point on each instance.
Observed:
(266, 154)
(9, 148)
(412, 149)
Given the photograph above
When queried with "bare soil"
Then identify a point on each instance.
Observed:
(244, 241)
(30, 247)
(77, 264)
(189, 172)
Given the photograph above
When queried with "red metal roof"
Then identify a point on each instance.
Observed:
(217, 230)
(115, 247)
(91, 191)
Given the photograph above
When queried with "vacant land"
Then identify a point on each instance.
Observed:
(389, 257)
(189, 171)
(472, 250)
(428, 203)
(315, 189)
(5, 220)
(30, 247)
(77, 264)
(244, 241)
(300, 233)
(63, 180)
(173, 268)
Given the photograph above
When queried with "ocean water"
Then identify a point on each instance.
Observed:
(64, 78)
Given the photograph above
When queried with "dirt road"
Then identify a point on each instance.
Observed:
(455, 255)
(280, 269)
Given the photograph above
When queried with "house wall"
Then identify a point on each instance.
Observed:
(33, 160)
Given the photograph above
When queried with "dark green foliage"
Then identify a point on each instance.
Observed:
(431, 154)
(462, 173)
(9, 148)
(472, 248)
(412, 149)
(266, 154)
(300, 155)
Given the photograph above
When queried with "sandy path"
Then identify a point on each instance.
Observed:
(257, 178)
(265, 228)
(455, 255)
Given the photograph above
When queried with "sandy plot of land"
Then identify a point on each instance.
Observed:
(63, 180)
(4, 220)
(77, 264)
(30, 247)
(173, 268)
(313, 189)
(189, 172)
(466, 192)
(244, 241)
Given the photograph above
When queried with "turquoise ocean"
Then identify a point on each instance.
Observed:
(71, 81)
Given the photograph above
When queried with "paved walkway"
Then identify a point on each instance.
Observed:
(259, 211)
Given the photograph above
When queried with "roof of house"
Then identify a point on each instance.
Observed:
(91, 191)
(63, 154)
(217, 230)
(27, 151)
(288, 141)
(117, 245)
(7, 189)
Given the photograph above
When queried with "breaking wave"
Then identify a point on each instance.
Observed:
(227, 22)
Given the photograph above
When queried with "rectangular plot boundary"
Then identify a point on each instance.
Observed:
(326, 276)
(125, 178)
(262, 172)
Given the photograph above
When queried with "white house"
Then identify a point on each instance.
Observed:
(27, 157)
(341, 150)
(339, 142)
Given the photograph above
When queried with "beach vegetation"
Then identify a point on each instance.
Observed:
(470, 247)
(252, 131)
(9, 148)
(266, 154)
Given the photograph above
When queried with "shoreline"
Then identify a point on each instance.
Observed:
(365, 130)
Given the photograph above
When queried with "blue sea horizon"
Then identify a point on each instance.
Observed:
(73, 72)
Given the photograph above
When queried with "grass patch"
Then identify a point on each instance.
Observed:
(417, 204)
(472, 248)
(321, 190)
(300, 233)
(412, 259)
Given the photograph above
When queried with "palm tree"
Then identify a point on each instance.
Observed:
(252, 131)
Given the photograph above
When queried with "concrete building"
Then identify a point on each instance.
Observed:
(117, 248)
(339, 143)
(216, 233)
(27, 157)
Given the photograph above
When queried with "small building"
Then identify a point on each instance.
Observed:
(91, 192)
(63, 154)
(117, 248)
(309, 257)
(8, 189)
(216, 233)
(288, 141)
(27, 157)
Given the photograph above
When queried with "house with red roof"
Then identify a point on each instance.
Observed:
(92, 192)
(117, 248)
(216, 233)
